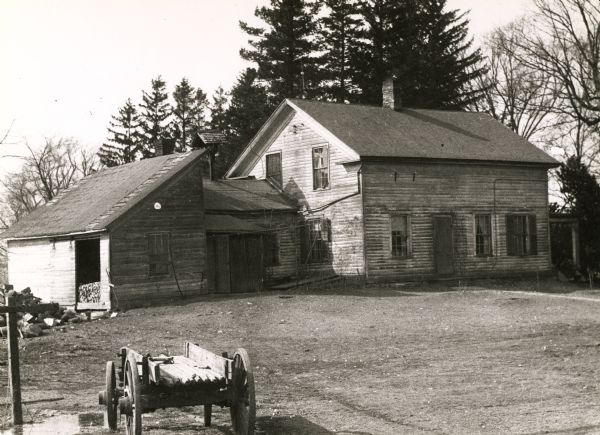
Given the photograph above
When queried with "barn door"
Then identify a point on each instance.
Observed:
(218, 264)
(442, 244)
(246, 263)
(87, 271)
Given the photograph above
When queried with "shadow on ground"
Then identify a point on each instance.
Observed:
(295, 425)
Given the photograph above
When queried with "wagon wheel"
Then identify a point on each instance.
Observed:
(110, 394)
(243, 404)
(133, 391)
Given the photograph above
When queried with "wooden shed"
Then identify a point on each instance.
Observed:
(136, 229)
(251, 235)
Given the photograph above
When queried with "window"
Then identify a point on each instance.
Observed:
(158, 253)
(271, 249)
(274, 168)
(319, 240)
(320, 162)
(400, 236)
(483, 234)
(521, 235)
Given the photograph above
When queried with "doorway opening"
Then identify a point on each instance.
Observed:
(87, 270)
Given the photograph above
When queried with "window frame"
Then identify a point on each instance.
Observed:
(158, 260)
(325, 168)
(324, 246)
(278, 181)
(529, 243)
(408, 235)
(490, 235)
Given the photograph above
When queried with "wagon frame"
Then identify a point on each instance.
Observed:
(143, 384)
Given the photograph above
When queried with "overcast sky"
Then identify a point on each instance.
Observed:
(67, 65)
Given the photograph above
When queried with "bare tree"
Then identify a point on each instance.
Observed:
(45, 172)
(518, 95)
(564, 41)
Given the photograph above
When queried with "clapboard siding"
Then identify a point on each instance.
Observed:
(47, 266)
(284, 226)
(295, 142)
(424, 190)
(181, 215)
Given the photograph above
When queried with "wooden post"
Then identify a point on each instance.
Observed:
(13, 359)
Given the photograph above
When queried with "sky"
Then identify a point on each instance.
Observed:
(68, 65)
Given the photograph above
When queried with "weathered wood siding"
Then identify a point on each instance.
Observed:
(422, 191)
(295, 143)
(182, 216)
(285, 226)
(48, 268)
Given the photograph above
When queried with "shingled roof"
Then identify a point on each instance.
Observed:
(99, 199)
(244, 195)
(377, 132)
(419, 133)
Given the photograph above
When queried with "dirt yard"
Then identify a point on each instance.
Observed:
(485, 358)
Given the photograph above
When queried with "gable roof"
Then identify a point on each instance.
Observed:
(101, 198)
(244, 195)
(378, 132)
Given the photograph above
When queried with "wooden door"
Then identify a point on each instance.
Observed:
(218, 273)
(246, 263)
(442, 244)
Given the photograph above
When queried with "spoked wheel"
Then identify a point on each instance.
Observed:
(110, 396)
(133, 391)
(243, 405)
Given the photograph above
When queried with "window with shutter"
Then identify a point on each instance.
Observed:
(158, 253)
(274, 168)
(400, 236)
(521, 235)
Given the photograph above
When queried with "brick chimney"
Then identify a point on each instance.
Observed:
(164, 146)
(391, 96)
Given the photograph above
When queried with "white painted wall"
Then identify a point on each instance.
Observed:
(48, 268)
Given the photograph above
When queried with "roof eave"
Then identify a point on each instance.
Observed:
(377, 159)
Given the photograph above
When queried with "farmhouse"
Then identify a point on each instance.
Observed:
(395, 193)
(136, 228)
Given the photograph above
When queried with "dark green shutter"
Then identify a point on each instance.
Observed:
(532, 234)
(510, 238)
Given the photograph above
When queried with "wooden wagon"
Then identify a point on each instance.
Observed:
(199, 377)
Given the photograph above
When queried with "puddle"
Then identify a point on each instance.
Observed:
(69, 424)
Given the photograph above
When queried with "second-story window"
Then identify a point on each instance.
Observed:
(320, 164)
(274, 168)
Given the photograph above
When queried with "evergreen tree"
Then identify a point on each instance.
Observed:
(427, 49)
(188, 112)
(154, 116)
(218, 109)
(339, 37)
(249, 108)
(201, 107)
(582, 197)
(284, 50)
(125, 142)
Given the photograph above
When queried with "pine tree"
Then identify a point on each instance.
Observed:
(201, 107)
(218, 109)
(339, 38)
(154, 116)
(249, 107)
(427, 49)
(188, 114)
(125, 143)
(284, 50)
